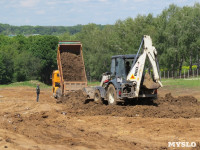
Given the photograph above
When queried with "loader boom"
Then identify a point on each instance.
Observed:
(136, 72)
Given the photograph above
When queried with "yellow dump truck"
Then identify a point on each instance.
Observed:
(70, 75)
(55, 82)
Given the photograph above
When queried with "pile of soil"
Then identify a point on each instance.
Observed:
(72, 67)
(164, 107)
(73, 99)
(149, 83)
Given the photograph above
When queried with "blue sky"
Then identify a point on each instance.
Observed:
(73, 12)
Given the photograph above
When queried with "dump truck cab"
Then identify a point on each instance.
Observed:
(55, 82)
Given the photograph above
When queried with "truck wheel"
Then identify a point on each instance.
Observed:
(111, 95)
(97, 96)
(58, 93)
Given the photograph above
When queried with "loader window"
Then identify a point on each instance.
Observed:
(120, 69)
(128, 64)
(113, 67)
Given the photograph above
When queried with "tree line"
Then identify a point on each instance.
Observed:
(11, 30)
(175, 34)
(23, 58)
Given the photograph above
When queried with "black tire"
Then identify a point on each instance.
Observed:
(58, 93)
(111, 95)
(97, 96)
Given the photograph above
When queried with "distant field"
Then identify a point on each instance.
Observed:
(170, 82)
(96, 83)
(32, 83)
(181, 82)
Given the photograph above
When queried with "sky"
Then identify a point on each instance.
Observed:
(73, 12)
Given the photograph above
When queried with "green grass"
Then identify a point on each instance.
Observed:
(181, 82)
(94, 83)
(32, 83)
(166, 82)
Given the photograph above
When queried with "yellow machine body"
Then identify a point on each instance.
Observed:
(55, 81)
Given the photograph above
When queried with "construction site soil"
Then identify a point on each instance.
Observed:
(72, 67)
(74, 122)
(163, 107)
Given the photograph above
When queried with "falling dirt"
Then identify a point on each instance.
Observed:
(72, 67)
(163, 107)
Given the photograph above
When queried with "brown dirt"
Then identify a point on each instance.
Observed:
(149, 83)
(163, 107)
(72, 67)
(79, 124)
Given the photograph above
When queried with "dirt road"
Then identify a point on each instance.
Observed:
(26, 124)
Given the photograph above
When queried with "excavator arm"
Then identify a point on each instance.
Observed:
(136, 71)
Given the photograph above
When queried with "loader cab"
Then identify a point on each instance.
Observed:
(121, 65)
(55, 81)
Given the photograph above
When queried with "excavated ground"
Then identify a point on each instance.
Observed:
(76, 123)
(72, 67)
(163, 107)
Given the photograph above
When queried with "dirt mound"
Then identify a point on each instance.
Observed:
(164, 107)
(180, 101)
(73, 99)
(72, 67)
(149, 83)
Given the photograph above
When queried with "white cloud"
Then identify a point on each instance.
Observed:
(84, 0)
(140, 0)
(40, 12)
(72, 12)
(27, 21)
(29, 3)
(103, 0)
(124, 1)
(51, 2)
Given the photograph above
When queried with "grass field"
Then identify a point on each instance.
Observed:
(190, 83)
(169, 82)
(96, 83)
(32, 83)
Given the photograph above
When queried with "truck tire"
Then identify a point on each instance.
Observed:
(97, 96)
(111, 95)
(58, 93)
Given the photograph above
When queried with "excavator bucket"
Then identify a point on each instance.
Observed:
(149, 83)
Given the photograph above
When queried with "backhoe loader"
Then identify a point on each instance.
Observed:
(124, 82)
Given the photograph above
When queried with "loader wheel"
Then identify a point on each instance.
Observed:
(58, 93)
(111, 95)
(97, 96)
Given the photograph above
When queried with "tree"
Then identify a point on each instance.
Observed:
(44, 48)
(6, 66)
(26, 67)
